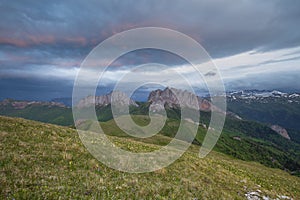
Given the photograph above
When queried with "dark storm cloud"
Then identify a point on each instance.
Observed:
(34, 88)
(223, 27)
(284, 81)
(60, 34)
(210, 74)
(271, 61)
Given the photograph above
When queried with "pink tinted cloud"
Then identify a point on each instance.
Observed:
(76, 40)
(18, 58)
(32, 40)
(13, 41)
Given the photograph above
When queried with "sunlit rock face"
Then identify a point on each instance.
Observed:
(119, 97)
(174, 98)
(281, 131)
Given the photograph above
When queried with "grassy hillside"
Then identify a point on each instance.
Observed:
(278, 111)
(42, 161)
(257, 141)
(43, 113)
(246, 140)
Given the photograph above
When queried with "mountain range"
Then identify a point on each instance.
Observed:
(271, 144)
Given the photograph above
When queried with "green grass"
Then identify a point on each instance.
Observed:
(257, 142)
(42, 161)
(43, 113)
(271, 110)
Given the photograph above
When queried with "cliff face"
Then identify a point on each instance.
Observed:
(103, 100)
(172, 98)
(281, 131)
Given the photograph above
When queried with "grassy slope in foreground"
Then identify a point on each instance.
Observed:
(47, 161)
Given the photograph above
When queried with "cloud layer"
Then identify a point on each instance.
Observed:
(256, 44)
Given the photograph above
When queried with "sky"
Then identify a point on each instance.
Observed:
(255, 44)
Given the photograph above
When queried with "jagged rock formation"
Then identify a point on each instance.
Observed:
(23, 104)
(172, 98)
(231, 114)
(262, 96)
(65, 100)
(120, 97)
(281, 131)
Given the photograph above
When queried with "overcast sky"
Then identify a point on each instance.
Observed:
(255, 44)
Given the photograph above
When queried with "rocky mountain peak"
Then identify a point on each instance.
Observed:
(173, 98)
(120, 97)
(17, 104)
